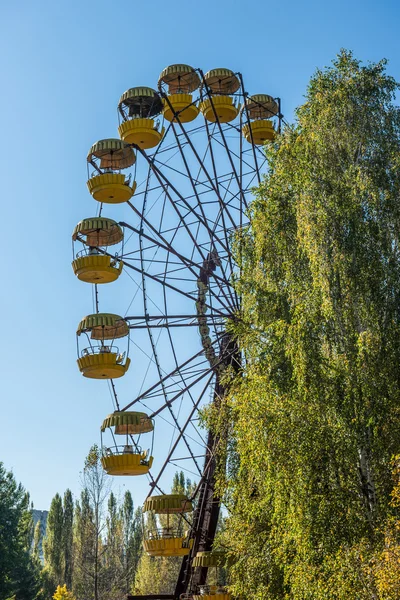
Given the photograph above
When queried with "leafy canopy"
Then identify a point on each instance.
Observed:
(315, 414)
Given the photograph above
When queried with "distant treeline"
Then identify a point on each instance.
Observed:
(92, 545)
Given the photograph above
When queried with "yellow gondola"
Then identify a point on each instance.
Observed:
(212, 592)
(220, 105)
(181, 81)
(212, 559)
(93, 264)
(167, 538)
(138, 106)
(260, 109)
(104, 360)
(107, 184)
(129, 458)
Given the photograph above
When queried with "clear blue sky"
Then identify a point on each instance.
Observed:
(63, 68)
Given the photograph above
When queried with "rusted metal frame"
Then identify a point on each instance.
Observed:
(214, 275)
(200, 204)
(166, 246)
(181, 433)
(200, 441)
(252, 170)
(220, 199)
(209, 508)
(150, 476)
(208, 189)
(189, 141)
(251, 132)
(206, 516)
(190, 437)
(254, 147)
(186, 458)
(229, 258)
(137, 270)
(96, 296)
(129, 256)
(221, 178)
(176, 273)
(174, 386)
(180, 393)
(159, 410)
(213, 232)
(91, 162)
(154, 386)
(169, 329)
(165, 184)
(187, 470)
(199, 183)
(147, 393)
(245, 152)
(204, 476)
(253, 173)
(280, 116)
(172, 287)
(162, 213)
(159, 175)
(219, 124)
(148, 317)
(115, 393)
(168, 404)
(151, 227)
(171, 341)
(241, 161)
(151, 189)
(192, 222)
(168, 166)
(164, 326)
(222, 205)
(197, 431)
(186, 571)
(194, 298)
(179, 323)
(149, 329)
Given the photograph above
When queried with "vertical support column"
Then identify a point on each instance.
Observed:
(205, 520)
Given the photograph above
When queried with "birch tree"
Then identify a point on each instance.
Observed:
(314, 415)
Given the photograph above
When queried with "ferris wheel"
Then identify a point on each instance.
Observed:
(182, 171)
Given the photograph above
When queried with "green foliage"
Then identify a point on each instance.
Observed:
(62, 593)
(67, 537)
(156, 575)
(132, 539)
(57, 545)
(92, 548)
(19, 575)
(37, 540)
(107, 537)
(83, 544)
(315, 414)
(90, 569)
(113, 554)
(385, 565)
(53, 542)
